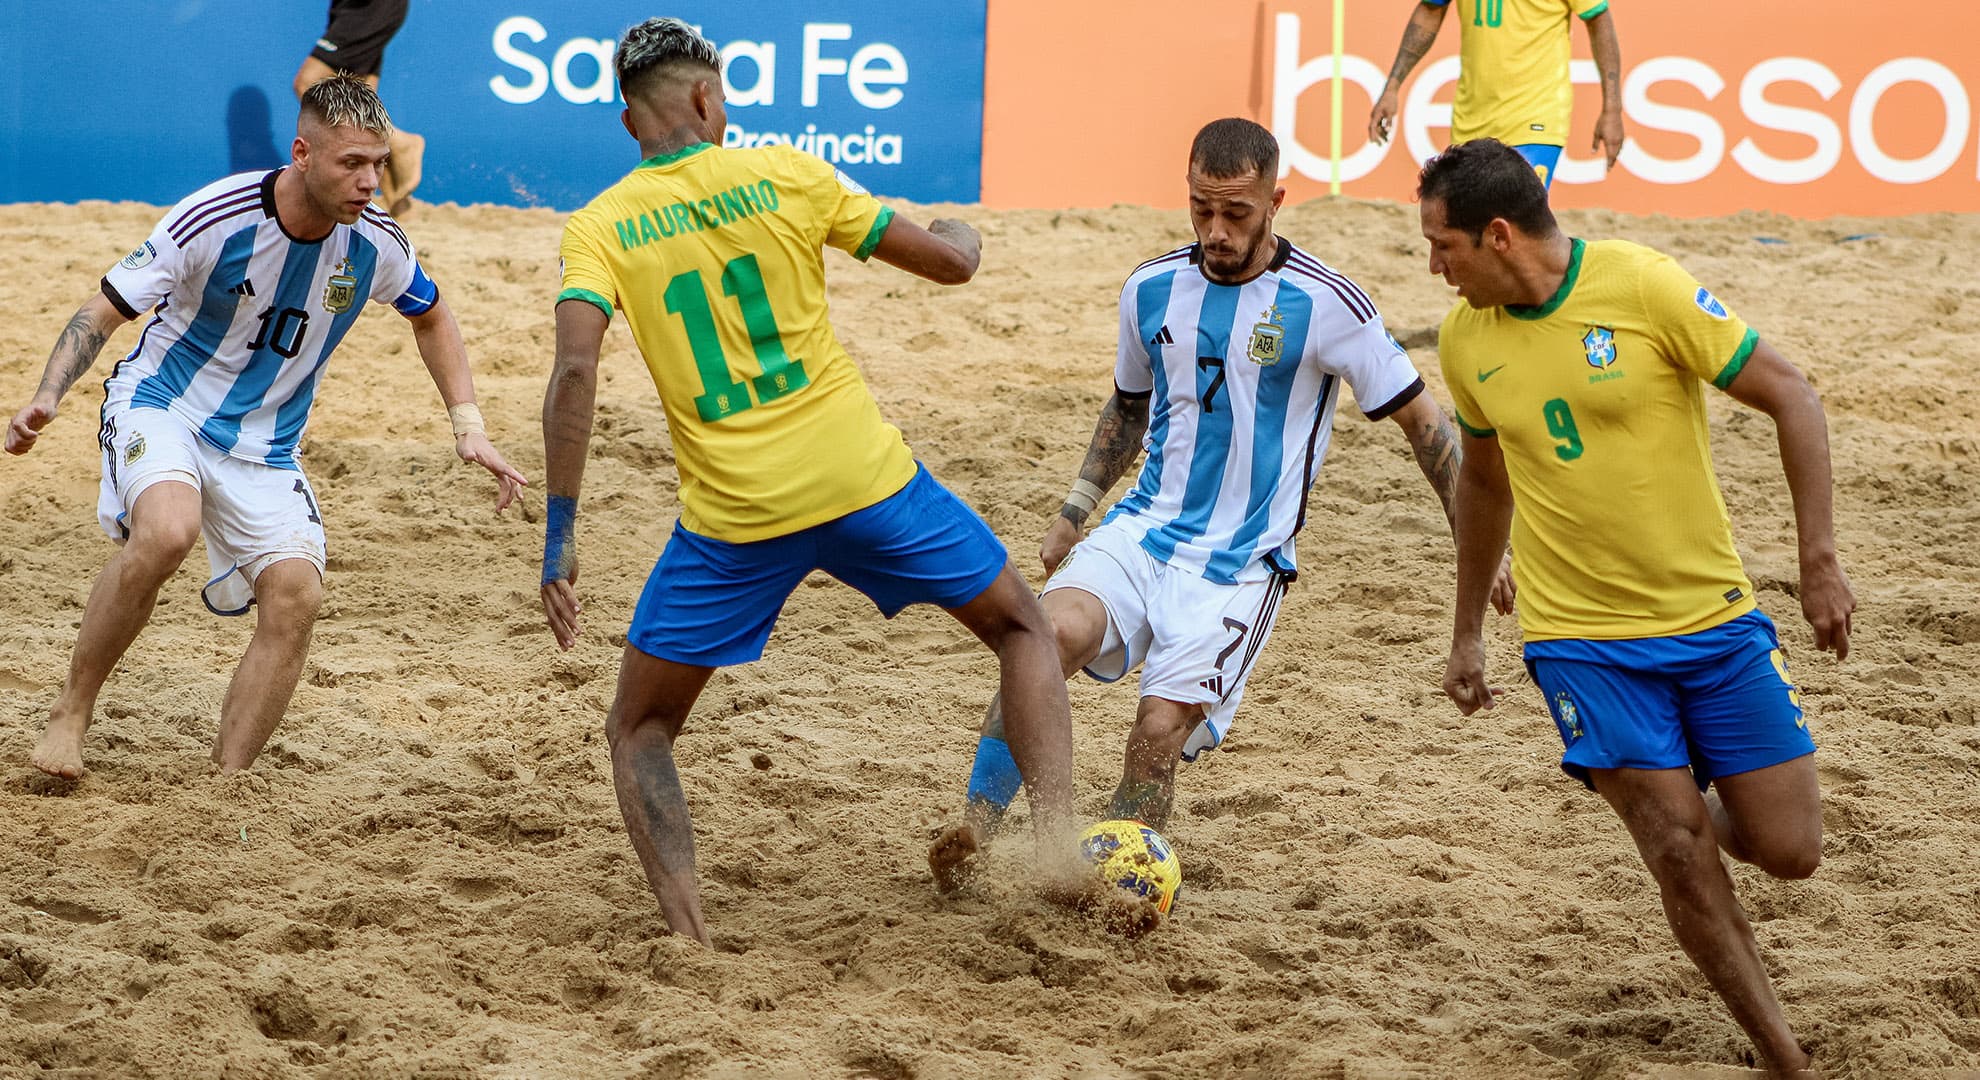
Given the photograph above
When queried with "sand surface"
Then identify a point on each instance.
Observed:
(426, 874)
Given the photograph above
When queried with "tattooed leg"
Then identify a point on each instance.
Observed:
(653, 701)
(1148, 776)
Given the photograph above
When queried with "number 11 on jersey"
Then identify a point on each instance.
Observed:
(721, 396)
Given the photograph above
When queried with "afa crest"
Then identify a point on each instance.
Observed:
(134, 449)
(1268, 339)
(341, 292)
(1568, 715)
(1600, 345)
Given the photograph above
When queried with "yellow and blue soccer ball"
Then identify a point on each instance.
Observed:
(1135, 859)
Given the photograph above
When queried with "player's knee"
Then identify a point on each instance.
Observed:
(1791, 863)
(290, 596)
(660, 719)
(159, 545)
(1162, 725)
(1678, 851)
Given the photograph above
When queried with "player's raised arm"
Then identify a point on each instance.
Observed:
(438, 338)
(568, 407)
(82, 339)
(946, 252)
(1769, 383)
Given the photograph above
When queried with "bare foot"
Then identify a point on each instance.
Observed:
(60, 750)
(952, 856)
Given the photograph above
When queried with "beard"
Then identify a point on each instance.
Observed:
(1230, 264)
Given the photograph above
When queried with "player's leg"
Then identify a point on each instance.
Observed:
(922, 545)
(648, 711)
(311, 72)
(1667, 818)
(1743, 715)
(707, 604)
(163, 523)
(287, 595)
(1147, 789)
(1080, 627)
(1206, 639)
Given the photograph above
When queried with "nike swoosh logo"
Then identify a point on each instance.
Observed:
(1483, 375)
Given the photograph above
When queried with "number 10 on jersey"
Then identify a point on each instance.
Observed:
(721, 396)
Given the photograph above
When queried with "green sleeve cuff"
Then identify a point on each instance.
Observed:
(588, 297)
(1594, 11)
(1474, 432)
(1738, 362)
(874, 234)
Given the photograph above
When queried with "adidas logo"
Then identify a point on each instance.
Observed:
(245, 288)
(1162, 337)
(1214, 684)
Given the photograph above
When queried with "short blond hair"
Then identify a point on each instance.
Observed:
(345, 100)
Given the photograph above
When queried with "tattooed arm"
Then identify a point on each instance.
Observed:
(74, 352)
(1608, 61)
(1418, 36)
(1116, 443)
(1439, 455)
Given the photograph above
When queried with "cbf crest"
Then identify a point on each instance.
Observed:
(1600, 345)
(341, 292)
(1569, 716)
(1268, 339)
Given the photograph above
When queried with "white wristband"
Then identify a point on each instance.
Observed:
(1084, 496)
(466, 418)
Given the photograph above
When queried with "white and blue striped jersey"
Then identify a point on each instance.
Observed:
(247, 315)
(1244, 380)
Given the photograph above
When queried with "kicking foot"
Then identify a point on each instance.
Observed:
(60, 750)
(952, 857)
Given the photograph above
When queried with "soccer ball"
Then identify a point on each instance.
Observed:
(1134, 858)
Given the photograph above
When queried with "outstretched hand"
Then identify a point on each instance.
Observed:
(476, 448)
(28, 423)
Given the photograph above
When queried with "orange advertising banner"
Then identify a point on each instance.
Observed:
(1811, 108)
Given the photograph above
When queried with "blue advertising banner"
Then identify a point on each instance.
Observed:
(149, 99)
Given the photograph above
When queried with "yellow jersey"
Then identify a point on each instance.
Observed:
(1597, 399)
(1513, 69)
(716, 257)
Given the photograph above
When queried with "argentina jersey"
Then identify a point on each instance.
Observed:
(247, 315)
(1243, 381)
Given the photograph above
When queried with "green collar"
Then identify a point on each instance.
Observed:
(1527, 311)
(658, 160)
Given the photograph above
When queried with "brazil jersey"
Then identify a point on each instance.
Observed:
(1513, 69)
(1597, 398)
(715, 256)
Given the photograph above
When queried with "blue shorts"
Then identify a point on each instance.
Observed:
(711, 603)
(1719, 700)
(1544, 159)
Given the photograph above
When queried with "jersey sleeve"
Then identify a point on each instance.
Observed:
(1695, 329)
(1458, 379)
(1134, 369)
(581, 264)
(1588, 9)
(1375, 367)
(140, 279)
(853, 220)
(399, 271)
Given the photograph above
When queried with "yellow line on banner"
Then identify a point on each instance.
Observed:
(1340, 44)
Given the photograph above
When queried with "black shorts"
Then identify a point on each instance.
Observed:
(358, 32)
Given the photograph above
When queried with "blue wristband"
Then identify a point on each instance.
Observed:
(560, 525)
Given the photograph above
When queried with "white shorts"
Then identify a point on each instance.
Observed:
(251, 515)
(1196, 640)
